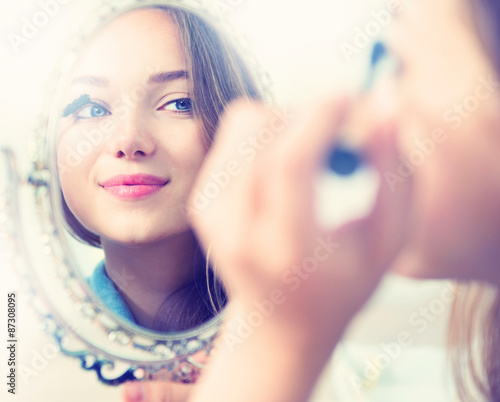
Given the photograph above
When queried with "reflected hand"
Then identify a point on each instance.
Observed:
(162, 391)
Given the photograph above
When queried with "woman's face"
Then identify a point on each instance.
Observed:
(129, 147)
(446, 110)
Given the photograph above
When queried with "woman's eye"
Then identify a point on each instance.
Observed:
(91, 111)
(183, 105)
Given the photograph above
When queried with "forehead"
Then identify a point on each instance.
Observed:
(134, 44)
(433, 29)
(432, 18)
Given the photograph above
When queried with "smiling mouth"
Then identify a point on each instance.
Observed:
(134, 186)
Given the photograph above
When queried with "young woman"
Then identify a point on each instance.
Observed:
(142, 109)
(442, 107)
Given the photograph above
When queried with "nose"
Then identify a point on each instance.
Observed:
(133, 138)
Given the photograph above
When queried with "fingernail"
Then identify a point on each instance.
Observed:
(134, 392)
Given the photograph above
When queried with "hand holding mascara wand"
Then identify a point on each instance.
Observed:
(343, 160)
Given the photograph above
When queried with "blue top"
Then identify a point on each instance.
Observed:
(106, 290)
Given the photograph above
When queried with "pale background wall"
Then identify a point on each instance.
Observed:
(298, 43)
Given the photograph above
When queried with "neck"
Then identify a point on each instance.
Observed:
(146, 275)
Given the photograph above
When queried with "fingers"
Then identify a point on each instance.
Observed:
(298, 158)
(226, 163)
(275, 163)
(307, 144)
(241, 121)
(380, 235)
(391, 213)
(156, 391)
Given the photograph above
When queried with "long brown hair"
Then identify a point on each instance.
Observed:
(474, 337)
(218, 75)
(474, 342)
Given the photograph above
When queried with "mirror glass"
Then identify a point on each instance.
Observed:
(138, 113)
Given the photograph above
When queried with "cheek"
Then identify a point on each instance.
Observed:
(76, 149)
(189, 155)
(457, 197)
(74, 161)
(191, 166)
(76, 197)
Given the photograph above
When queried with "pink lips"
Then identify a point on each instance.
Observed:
(133, 186)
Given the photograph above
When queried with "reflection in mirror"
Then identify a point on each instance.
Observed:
(139, 115)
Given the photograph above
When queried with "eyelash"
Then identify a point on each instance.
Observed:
(177, 101)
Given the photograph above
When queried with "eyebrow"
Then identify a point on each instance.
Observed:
(160, 78)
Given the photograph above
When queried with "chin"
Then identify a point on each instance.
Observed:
(149, 237)
(416, 272)
(419, 266)
(413, 264)
(128, 237)
(138, 240)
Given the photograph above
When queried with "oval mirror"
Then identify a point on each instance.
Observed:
(131, 113)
